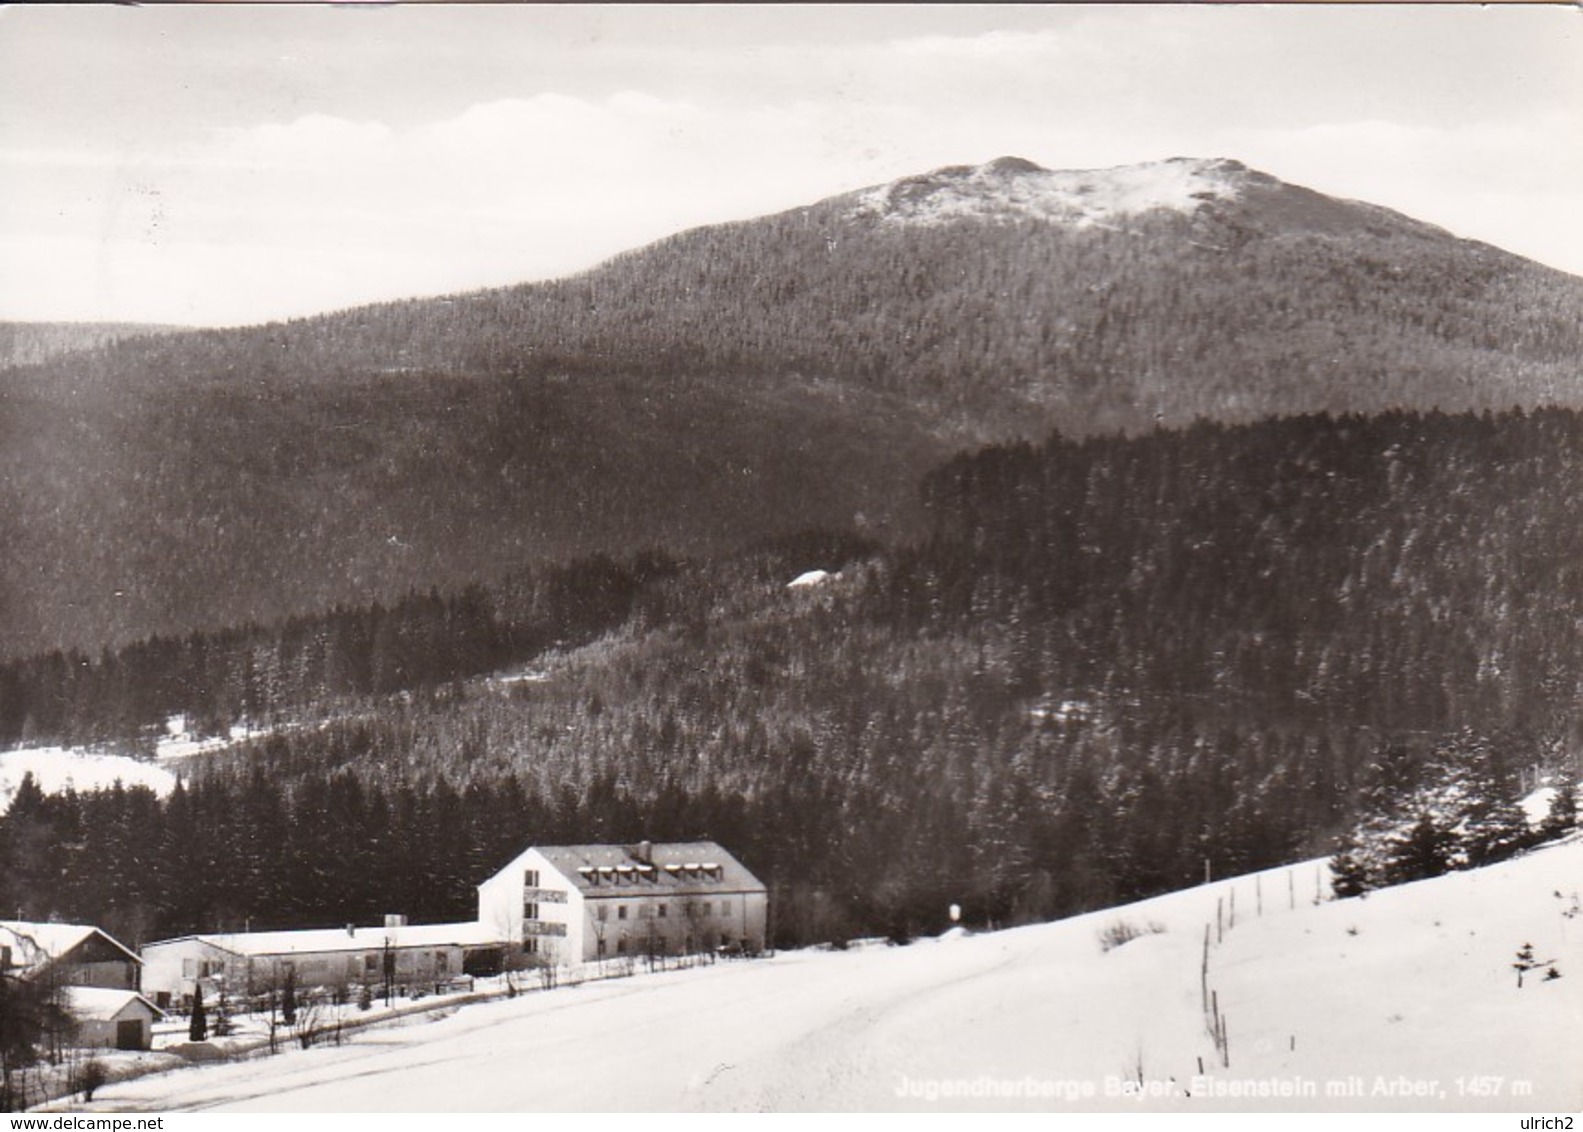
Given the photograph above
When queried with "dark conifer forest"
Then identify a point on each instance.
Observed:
(1102, 662)
(729, 384)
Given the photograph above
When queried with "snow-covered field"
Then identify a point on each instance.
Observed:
(1405, 1000)
(57, 768)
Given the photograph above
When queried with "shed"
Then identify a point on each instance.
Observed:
(103, 1018)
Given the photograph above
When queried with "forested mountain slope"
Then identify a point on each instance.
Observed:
(1110, 660)
(731, 383)
(28, 343)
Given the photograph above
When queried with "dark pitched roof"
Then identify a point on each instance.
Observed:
(679, 868)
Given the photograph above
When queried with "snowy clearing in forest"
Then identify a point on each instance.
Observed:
(57, 769)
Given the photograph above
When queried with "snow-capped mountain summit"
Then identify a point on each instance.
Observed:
(873, 332)
(1009, 189)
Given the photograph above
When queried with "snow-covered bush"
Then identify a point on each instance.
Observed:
(1125, 931)
(1563, 816)
(88, 1077)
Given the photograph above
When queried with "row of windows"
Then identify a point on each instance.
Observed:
(370, 962)
(703, 910)
(660, 946)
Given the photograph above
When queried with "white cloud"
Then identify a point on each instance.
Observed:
(309, 140)
(287, 218)
(1510, 183)
(529, 157)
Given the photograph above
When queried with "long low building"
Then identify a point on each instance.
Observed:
(251, 963)
(570, 904)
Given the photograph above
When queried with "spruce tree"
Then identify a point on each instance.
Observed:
(1349, 867)
(1563, 816)
(288, 998)
(198, 1029)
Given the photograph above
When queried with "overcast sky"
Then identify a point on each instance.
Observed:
(226, 164)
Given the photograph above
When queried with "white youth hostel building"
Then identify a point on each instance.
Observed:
(570, 904)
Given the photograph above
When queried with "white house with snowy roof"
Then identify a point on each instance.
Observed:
(78, 955)
(97, 979)
(570, 904)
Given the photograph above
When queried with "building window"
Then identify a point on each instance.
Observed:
(439, 961)
(709, 909)
(530, 911)
(664, 911)
(530, 946)
(621, 947)
(530, 878)
(604, 912)
(621, 912)
(371, 964)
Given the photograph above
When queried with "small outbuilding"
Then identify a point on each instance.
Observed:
(103, 1018)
